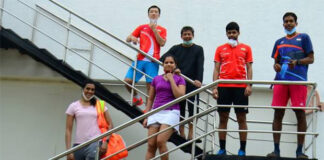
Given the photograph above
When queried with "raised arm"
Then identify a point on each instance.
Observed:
(177, 91)
(158, 37)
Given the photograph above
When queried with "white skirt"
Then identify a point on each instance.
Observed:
(169, 117)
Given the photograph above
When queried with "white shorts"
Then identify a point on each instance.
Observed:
(169, 117)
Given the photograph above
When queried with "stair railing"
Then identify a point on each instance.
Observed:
(155, 60)
(206, 112)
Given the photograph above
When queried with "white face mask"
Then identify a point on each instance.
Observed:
(232, 42)
(153, 21)
(85, 98)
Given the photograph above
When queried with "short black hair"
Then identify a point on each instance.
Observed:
(188, 28)
(154, 6)
(290, 14)
(232, 26)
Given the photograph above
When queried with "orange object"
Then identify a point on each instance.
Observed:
(116, 142)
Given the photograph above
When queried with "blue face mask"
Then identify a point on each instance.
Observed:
(187, 43)
(291, 31)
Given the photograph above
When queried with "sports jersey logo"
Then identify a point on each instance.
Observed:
(298, 39)
(243, 49)
(281, 42)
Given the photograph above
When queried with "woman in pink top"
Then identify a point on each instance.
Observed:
(164, 88)
(84, 113)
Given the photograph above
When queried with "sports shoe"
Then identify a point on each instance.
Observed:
(301, 155)
(221, 152)
(241, 153)
(137, 102)
(273, 154)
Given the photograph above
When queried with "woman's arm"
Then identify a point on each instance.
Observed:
(108, 120)
(149, 103)
(150, 99)
(68, 134)
(177, 91)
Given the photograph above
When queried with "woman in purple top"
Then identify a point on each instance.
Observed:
(84, 113)
(164, 88)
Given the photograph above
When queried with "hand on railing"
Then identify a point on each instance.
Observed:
(145, 123)
(133, 39)
(248, 90)
(70, 157)
(215, 93)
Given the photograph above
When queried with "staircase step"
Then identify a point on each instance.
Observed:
(234, 157)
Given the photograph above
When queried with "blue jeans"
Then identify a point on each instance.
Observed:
(86, 153)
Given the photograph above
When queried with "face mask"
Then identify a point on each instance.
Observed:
(85, 98)
(291, 31)
(187, 43)
(232, 42)
(154, 21)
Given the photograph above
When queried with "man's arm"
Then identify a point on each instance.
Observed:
(304, 61)
(200, 68)
(248, 89)
(158, 37)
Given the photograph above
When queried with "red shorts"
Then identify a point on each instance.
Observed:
(296, 93)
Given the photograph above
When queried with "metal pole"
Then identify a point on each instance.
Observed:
(214, 134)
(67, 37)
(194, 125)
(314, 125)
(91, 58)
(35, 25)
(133, 81)
(1, 12)
(206, 129)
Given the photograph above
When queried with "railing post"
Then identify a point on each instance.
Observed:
(91, 58)
(206, 128)
(1, 11)
(34, 25)
(67, 37)
(314, 125)
(133, 82)
(193, 147)
(213, 134)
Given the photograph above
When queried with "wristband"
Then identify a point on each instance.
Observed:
(298, 62)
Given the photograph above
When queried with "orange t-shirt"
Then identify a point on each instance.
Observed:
(233, 62)
(148, 43)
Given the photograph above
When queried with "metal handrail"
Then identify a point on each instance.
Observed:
(84, 39)
(68, 48)
(83, 32)
(141, 117)
(157, 61)
(225, 130)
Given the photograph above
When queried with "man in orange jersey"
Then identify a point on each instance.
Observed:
(151, 37)
(233, 60)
